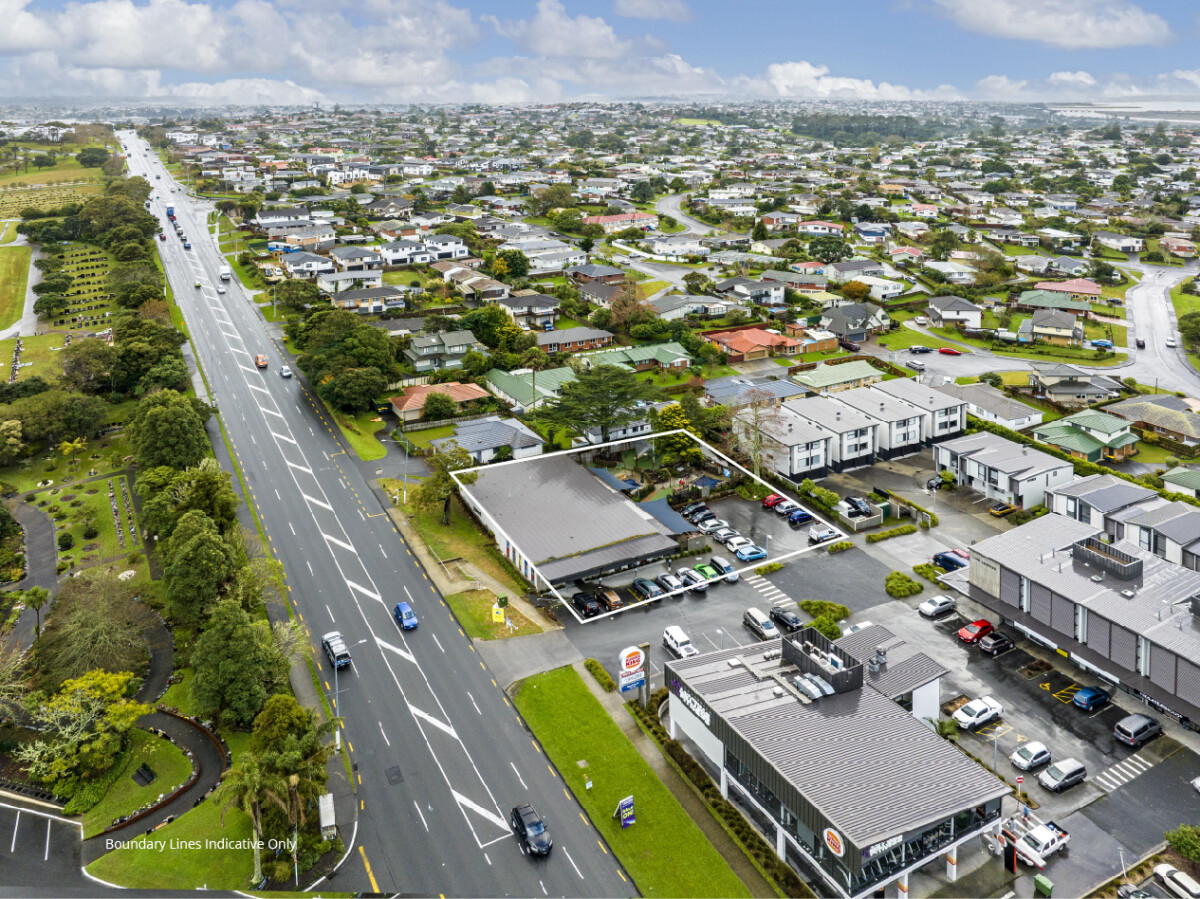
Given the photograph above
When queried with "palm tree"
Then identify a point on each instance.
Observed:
(946, 728)
(535, 359)
(247, 785)
(35, 598)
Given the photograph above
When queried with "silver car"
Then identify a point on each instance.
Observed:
(712, 525)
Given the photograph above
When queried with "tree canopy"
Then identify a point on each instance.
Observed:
(602, 397)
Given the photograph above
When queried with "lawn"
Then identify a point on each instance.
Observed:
(8, 232)
(13, 201)
(105, 454)
(179, 695)
(1184, 302)
(1014, 250)
(474, 611)
(660, 378)
(360, 430)
(665, 852)
(460, 539)
(1008, 378)
(1109, 311)
(906, 337)
(14, 274)
(1152, 455)
(1079, 355)
(698, 122)
(39, 356)
(408, 277)
(67, 168)
(1151, 246)
(649, 288)
(124, 796)
(424, 438)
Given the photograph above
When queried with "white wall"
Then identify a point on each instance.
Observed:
(927, 701)
(697, 732)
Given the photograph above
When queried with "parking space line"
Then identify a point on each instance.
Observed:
(1066, 694)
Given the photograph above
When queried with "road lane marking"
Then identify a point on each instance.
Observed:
(381, 550)
(370, 876)
(349, 548)
(472, 698)
(403, 653)
(479, 809)
(425, 716)
(282, 437)
(364, 591)
(292, 529)
(385, 739)
(437, 641)
(572, 861)
(302, 468)
(46, 856)
(519, 777)
(16, 824)
(316, 502)
(418, 808)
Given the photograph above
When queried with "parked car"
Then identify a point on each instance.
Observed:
(699, 512)
(1000, 509)
(949, 351)
(724, 535)
(787, 507)
(1134, 730)
(731, 576)
(1141, 344)
(646, 589)
(936, 605)
(921, 320)
(1063, 775)
(934, 483)
(849, 345)
(586, 604)
(751, 553)
(700, 520)
(820, 533)
(1129, 891)
(975, 631)
(609, 600)
(786, 620)
(770, 502)
(712, 525)
(736, 543)
(707, 570)
(677, 642)
(917, 348)
(530, 829)
(1176, 882)
(978, 712)
(692, 507)
(759, 624)
(669, 582)
(799, 517)
(1030, 755)
(693, 580)
(916, 366)
(996, 643)
(406, 616)
(950, 561)
(1090, 698)
(859, 507)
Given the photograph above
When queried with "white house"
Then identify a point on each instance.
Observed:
(405, 252)
(986, 402)
(446, 246)
(1001, 469)
(946, 309)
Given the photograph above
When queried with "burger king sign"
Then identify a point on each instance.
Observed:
(833, 840)
(631, 666)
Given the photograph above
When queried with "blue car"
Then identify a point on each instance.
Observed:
(751, 553)
(799, 517)
(1090, 698)
(406, 616)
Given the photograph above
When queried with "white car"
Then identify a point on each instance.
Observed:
(1171, 342)
(820, 533)
(724, 534)
(736, 543)
(220, 288)
(1031, 755)
(936, 605)
(675, 640)
(978, 712)
(787, 507)
(712, 525)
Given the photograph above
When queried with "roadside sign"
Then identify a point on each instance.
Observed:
(497, 615)
(625, 812)
(1020, 780)
(631, 668)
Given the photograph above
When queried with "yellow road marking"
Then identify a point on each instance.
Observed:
(326, 685)
(601, 845)
(535, 745)
(494, 684)
(367, 865)
(551, 770)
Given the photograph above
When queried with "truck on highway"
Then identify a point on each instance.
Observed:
(225, 273)
(171, 212)
(1040, 841)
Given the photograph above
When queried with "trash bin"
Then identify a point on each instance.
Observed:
(1043, 884)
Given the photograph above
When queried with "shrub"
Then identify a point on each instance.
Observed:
(91, 792)
(65, 541)
(90, 532)
(1023, 516)
(899, 585)
(823, 607)
(603, 678)
(828, 626)
(840, 547)
(894, 532)
(30, 497)
(769, 568)
(929, 571)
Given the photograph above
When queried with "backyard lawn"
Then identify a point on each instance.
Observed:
(424, 438)
(1014, 250)
(660, 378)
(473, 609)
(665, 853)
(906, 337)
(163, 757)
(14, 274)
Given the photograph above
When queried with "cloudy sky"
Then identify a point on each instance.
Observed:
(280, 51)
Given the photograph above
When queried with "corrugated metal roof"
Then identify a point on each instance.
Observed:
(922, 396)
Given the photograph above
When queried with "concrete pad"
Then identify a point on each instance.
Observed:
(514, 658)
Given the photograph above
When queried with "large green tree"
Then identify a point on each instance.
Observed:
(167, 495)
(439, 484)
(198, 563)
(603, 397)
(237, 666)
(676, 447)
(829, 249)
(167, 430)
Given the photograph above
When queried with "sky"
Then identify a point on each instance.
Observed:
(523, 51)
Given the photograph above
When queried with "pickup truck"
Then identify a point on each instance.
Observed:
(1039, 842)
(977, 712)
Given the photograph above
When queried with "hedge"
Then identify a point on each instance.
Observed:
(900, 585)
(840, 547)
(929, 571)
(894, 532)
(603, 678)
(769, 568)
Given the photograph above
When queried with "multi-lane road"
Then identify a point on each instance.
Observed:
(439, 750)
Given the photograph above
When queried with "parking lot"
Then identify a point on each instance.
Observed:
(43, 850)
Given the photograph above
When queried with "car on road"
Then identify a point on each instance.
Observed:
(799, 517)
(918, 348)
(786, 620)
(820, 533)
(996, 643)
(1063, 775)
(1176, 882)
(934, 483)
(787, 507)
(751, 553)
(735, 543)
(975, 631)
(1171, 342)
(707, 570)
(693, 580)
(1140, 343)
(712, 525)
(770, 502)
(1000, 509)
(722, 565)
(335, 649)
(951, 560)
(1030, 755)
(285, 372)
(187, 245)
(586, 604)
(406, 616)
(161, 236)
(220, 288)
(531, 829)
(936, 605)
(949, 351)
(1134, 730)
(678, 643)
(669, 582)
(1091, 698)
(646, 589)
(977, 713)
(260, 360)
(197, 285)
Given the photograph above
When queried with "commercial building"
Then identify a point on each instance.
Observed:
(842, 782)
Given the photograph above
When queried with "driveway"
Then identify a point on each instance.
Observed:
(672, 205)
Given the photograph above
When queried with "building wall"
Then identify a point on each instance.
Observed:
(927, 701)
(696, 731)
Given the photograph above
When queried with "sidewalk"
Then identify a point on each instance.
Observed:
(682, 791)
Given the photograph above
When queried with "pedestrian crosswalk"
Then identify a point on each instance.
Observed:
(1122, 773)
(770, 592)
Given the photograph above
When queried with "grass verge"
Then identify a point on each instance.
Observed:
(359, 431)
(124, 796)
(473, 609)
(572, 725)
(14, 275)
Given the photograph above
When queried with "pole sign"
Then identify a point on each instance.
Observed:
(631, 668)
(625, 812)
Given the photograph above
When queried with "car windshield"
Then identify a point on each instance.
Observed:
(536, 828)
(1025, 753)
(1054, 772)
(973, 708)
(974, 628)
(408, 614)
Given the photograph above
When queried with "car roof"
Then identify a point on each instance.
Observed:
(403, 606)
(675, 631)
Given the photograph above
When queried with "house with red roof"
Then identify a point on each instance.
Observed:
(1076, 289)
(410, 405)
(754, 343)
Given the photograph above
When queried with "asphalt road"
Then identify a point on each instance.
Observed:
(440, 753)
(672, 205)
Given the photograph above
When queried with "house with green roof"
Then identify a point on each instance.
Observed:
(832, 378)
(1091, 435)
(1183, 480)
(1030, 300)
(671, 356)
(528, 389)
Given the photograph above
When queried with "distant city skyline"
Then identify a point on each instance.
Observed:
(394, 51)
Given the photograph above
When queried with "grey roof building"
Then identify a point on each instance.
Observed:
(1001, 469)
(844, 777)
(444, 349)
(986, 402)
(484, 437)
(739, 390)
(945, 415)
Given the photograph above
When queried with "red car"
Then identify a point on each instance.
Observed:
(161, 236)
(975, 631)
(773, 500)
(950, 351)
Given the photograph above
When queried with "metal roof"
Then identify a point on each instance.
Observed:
(930, 399)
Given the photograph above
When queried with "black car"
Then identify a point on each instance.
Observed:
(786, 620)
(586, 604)
(934, 483)
(949, 561)
(859, 507)
(701, 511)
(1141, 344)
(995, 643)
(531, 829)
(917, 348)
(849, 345)
(692, 507)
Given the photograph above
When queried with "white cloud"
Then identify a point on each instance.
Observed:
(552, 32)
(1069, 24)
(805, 79)
(999, 87)
(1083, 79)
(670, 10)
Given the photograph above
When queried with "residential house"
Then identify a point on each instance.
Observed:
(819, 228)
(574, 340)
(1103, 500)
(336, 282)
(855, 321)
(813, 340)
(769, 246)
(736, 391)
(853, 270)
(1181, 479)
(780, 221)
(676, 246)
(356, 259)
(614, 223)
(881, 288)
(446, 246)
(899, 431)
(281, 215)
(800, 282)
(1090, 435)
(1015, 238)
(1001, 469)
(1052, 326)
(948, 310)
(1072, 386)
(986, 402)
(677, 306)
(1122, 243)
(441, 350)
(410, 404)
(370, 300)
(829, 377)
(1030, 300)
(592, 273)
(1171, 416)
(1068, 265)
(767, 293)
(943, 414)
(306, 265)
(404, 252)
(790, 445)
(870, 233)
(526, 389)
(753, 343)
(1078, 289)
(1178, 246)
(484, 439)
(314, 239)
(670, 356)
(953, 272)
(532, 311)
(853, 434)
(907, 256)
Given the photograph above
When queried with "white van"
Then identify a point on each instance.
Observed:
(675, 640)
(759, 624)
(916, 366)
(1178, 883)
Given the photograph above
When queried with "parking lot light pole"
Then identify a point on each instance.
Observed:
(995, 741)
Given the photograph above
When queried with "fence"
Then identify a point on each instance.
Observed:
(442, 422)
(415, 381)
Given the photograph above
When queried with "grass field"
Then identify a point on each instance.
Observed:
(407, 277)
(474, 611)
(665, 853)
(1152, 455)
(1109, 311)
(40, 351)
(359, 431)
(1014, 250)
(906, 337)
(424, 438)
(8, 232)
(697, 122)
(14, 275)
(66, 168)
(1184, 302)
(649, 288)
(661, 378)
(12, 201)
(124, 796)
(1042, 352)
